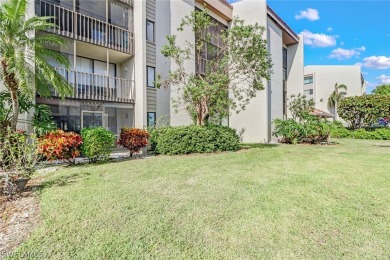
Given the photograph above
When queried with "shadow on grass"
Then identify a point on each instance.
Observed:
(382, 145)
(84, 169)
(257, 145)
(62, 180)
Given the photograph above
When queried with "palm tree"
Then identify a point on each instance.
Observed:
(24, 54)
(336, 96)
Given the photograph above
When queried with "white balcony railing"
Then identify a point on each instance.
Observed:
(88, 29)
(98, 87)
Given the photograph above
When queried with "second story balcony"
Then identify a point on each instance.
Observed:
(89, 86)
(85, 28)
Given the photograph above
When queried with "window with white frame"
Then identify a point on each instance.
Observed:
(308, 80)
(151, 77)
(308, 92)
(151, 120)
(149, 31)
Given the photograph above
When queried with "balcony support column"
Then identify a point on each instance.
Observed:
(75, 88)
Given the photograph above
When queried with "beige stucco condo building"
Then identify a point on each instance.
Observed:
(114, 50)
(320, 80)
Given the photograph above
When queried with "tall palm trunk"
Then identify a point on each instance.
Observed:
(15, 109)
(335, 111)
(12, 85)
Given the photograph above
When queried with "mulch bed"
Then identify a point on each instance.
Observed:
(18, 218)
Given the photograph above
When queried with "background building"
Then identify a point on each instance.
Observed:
(320, 80)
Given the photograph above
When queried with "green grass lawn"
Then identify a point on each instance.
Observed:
(289, 201)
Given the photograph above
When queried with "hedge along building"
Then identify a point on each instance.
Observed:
(114, 50)
(320, 80)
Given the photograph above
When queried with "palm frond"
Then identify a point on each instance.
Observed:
(342, 86)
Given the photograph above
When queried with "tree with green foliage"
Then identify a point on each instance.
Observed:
(337, 95)
(24, 55)
(383, 89)
(362, 111)
(300, 107)
(231, 66)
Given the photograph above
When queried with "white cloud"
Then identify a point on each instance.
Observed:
(369, 84)
(377, 62)
(384, 79)
(344, 54)
(309, 14)
(329, 29)
(318, 39)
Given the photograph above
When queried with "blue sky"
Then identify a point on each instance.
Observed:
(342, 33)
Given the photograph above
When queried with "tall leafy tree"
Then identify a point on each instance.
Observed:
(337, 95)
(24, 54)
(231, 65)
(383, 89)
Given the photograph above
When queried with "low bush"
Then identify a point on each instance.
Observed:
(289, 130)
(337, 130)
(362, 133)
(194, 139)
(60, 145)
(372, 134)
(312, 130)
(18, 153)
(96, 143)
(133, 139)
(18, 159)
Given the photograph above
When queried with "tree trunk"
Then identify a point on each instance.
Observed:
(335, 111)
(15, 109)
(12, 85)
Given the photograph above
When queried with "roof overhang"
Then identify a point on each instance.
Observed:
(219, 7)
(289, 36)
(320, 113)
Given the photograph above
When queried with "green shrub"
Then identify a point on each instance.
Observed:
(315, 131)
(362, 133)
(96, 143)
(384, 133)
(373, 134)
(340, 132)
(311, 130)
(18, 153)
(337, 130)
(193, 139)
(289, 130)
(18, 159)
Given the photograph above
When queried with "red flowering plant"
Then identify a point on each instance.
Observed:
(133, 139)
(60, 145)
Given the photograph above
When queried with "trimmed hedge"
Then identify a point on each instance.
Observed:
(193, 139)
(370, 134)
